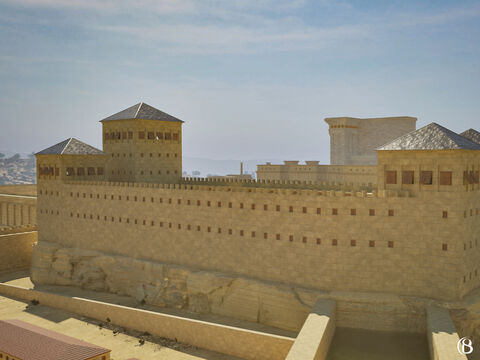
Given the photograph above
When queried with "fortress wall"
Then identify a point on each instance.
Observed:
(17, 210)
(375, 250)
(331, 173)
(16, 250)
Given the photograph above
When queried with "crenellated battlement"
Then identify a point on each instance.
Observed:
(325, 189)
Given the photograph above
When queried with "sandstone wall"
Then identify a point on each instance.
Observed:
(16, 250)
(271, 303)
(309, 172)
(17, 210)
(320, 240)
(228, 340)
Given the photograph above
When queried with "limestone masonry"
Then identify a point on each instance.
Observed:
(399, 221)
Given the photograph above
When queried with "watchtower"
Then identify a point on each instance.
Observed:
(143, 144)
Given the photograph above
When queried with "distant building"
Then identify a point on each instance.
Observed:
(20, 340)
(240, 176)
(353, 156)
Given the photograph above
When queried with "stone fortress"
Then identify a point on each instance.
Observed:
(123, 220)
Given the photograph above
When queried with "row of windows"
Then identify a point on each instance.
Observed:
(142, 172)
(151, 155)
(219, 230)
(70, 171)
(150, 135)
(470, 276)
(219, 204)
(81, 171)
(426, 177)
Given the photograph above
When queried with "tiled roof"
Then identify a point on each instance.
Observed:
(142, 111)
(71, 146)
(431, 137)
(472, 135)
(29, 342)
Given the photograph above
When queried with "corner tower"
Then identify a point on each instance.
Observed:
(143, 144)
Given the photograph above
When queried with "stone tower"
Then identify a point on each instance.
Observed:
(353, 141)
(143, 144)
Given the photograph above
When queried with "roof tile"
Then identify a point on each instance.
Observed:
(431, 137)
(142, 111)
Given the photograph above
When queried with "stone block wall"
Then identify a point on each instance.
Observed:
(17, 210)
(16, 250)
(322, 240)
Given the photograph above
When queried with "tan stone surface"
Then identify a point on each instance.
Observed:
(215, 337)
(316, 334)
(442, 335)
(27, 190)
(122, 344)
(16, 250)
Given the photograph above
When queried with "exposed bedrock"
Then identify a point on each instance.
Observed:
(274, 304)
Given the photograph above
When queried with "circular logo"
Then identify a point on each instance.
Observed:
(465, 346)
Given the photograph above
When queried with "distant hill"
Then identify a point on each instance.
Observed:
(17, 170)
(20, 168)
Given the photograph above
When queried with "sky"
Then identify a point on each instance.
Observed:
(251, 79)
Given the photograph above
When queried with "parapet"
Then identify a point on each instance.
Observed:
(325, 188)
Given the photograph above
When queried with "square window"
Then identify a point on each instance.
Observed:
(426, 177)
(391, 177)
(444, 247)
(141, 135)
(219, 230)
(304, 210)
(319, 241)
(353, 211)
(371, 212)
(290, 238)
(371, 243)
(168, 136)
(334, 211)
(390, 212)
(151, 135)
(407, 177)
(445, 178)
(353, 242)
(334, 242)
(445, 214)
(278, 236)
(304, 239)
(390, 244)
